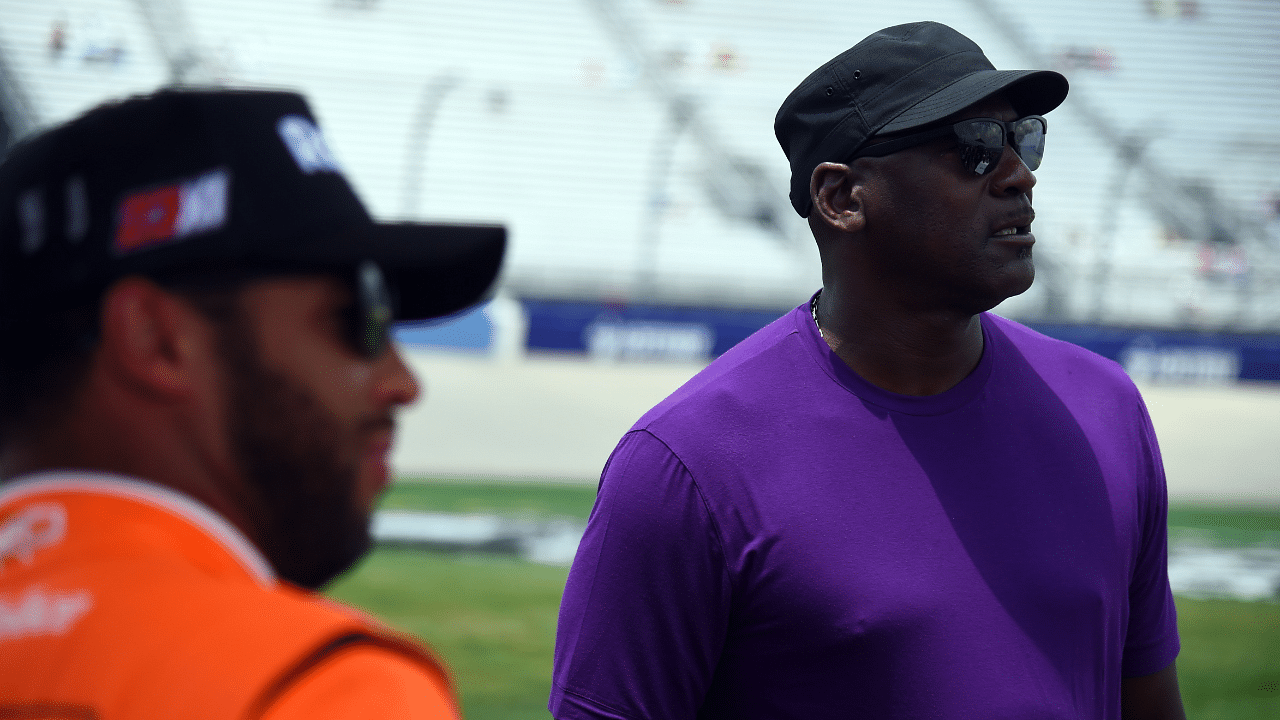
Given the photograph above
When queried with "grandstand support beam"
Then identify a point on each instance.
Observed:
(167, 21)
(1130, 152)
(737, 185)
(416, 149)
(656, 205)
(18, 116)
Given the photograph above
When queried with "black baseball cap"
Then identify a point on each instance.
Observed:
(187, 179)
(899, 78)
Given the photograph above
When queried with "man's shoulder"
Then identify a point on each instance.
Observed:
(741, 373)
(1051, 355)
(133, 573)
(363, 681)
(146, 556)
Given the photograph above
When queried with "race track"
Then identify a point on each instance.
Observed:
(541, 418)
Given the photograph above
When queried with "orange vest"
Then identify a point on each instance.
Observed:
(122, 599)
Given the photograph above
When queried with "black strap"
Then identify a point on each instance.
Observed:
(309, 663)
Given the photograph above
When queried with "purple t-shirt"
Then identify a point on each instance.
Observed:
(781, 539)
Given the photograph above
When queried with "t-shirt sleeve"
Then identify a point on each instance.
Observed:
(646, 606)
(366, 681)
(1151, 642)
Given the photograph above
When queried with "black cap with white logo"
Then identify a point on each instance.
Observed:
(188, 178)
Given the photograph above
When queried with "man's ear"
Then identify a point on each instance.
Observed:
(836, 192)
(151, 339)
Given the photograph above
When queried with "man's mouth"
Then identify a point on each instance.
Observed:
(377, 449)
(1016, 224)
(1015, 234)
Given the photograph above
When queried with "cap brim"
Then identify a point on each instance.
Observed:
(435, 269)
(1032, 92)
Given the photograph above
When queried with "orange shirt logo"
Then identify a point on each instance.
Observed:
(34, 527)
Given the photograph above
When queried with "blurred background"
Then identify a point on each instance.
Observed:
(628, 147)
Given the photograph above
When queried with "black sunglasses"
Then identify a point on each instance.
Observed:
(368, 318)
(981, 140)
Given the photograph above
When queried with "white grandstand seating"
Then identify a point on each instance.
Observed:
(546, 120)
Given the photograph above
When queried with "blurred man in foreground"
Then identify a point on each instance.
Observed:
(889, 503)
(197, 401)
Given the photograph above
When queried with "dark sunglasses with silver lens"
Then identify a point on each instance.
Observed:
(368, 318)
(981, 141)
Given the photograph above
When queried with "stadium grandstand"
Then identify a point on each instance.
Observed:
(628, 146)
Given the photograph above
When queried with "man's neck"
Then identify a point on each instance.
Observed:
(903, 351)
(126, 439)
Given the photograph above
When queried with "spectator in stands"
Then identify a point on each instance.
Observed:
(197, 399)
(889, 503)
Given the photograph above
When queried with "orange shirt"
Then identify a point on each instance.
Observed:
(123, 599)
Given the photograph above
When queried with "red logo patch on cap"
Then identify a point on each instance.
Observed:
(147, 218)
(172, 212)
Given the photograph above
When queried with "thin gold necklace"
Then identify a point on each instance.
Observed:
(813, 310)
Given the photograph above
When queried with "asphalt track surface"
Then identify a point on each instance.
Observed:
(557, 418)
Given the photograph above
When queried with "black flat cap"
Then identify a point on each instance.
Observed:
(899, 78)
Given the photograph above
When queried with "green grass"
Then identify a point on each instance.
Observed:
(493, 618)
(1229, 668)
(1226, 526)
(518, 498)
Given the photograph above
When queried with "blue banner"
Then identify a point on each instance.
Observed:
(639, 332)
(654, 332)
(1178, 355)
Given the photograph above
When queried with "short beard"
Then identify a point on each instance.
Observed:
(288, 450)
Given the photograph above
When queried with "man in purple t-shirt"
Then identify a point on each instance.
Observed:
(888, 503)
